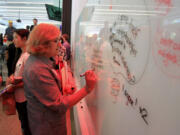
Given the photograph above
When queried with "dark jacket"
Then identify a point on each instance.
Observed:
(9, 32)
(11, 49)
(46, 104)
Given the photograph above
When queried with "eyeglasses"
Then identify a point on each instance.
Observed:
(56, 40)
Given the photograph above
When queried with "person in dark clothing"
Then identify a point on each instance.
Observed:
(9, 31)
(11, 51)
(1, 39)
(2, 48)
(28, 27)
(35, 21)
(66, 44)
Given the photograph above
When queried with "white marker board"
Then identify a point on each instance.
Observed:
(134, 47)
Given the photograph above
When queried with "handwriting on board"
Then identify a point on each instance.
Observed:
(134, 103)
(144, 114)
(122, 40)
(169, 50)
(166, 50)
(164, 3)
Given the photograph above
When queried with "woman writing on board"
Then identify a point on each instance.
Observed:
(46, 104)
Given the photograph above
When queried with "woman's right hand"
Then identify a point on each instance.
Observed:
(91, 80)
(10, 80)
(10, 89)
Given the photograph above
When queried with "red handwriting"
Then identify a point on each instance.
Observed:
(168, 56)
(165, 2)
(110, 7)
(170, 43)
(115, 87)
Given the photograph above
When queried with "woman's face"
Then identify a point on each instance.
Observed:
(18, 41)
(53, 47)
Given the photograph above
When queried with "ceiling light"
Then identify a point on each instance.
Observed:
(134, 11)
(36, 3)
(11, 7)
(100, 13)
(22, 10)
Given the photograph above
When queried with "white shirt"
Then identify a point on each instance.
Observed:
(19, 92)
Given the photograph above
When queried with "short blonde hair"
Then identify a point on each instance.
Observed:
(40, 37)
(10, 21)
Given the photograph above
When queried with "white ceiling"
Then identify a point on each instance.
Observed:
(25, 10)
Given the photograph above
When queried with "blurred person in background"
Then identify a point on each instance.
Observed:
(11, 50)
(9, 32)
(20, 38)
(1, 39)
(10, 57)
(28, 27)
(2, 47)
(66, 44)
(35, 21)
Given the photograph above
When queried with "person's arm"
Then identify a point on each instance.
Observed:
(15, 83)
(76, 97)
(13, 87)
(91, 80)
(46, 90)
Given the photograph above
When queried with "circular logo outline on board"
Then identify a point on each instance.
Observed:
(162, 49)
(134, 30)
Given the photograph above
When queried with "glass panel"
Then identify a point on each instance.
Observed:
(133, 46)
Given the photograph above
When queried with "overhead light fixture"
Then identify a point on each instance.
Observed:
(125, 10)
(92, 24)
(138, 14)
(12, 16)
(11, 7)
(35, 3)
(18, 20)
(23, 14)
(22, 10)
(25, 17)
